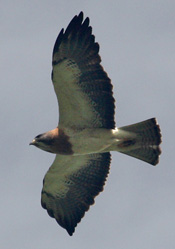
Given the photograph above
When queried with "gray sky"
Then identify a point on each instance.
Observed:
(137, 46)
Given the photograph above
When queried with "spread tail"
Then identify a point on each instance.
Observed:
(146, 141)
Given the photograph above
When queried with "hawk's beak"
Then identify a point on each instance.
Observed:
(33, 142)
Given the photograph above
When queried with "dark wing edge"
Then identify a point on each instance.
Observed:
(84, 185)
(78, 44)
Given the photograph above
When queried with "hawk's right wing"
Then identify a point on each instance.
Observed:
(70, 186)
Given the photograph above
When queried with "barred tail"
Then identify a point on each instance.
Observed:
(145, 145)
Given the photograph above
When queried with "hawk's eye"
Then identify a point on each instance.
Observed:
(38, 136)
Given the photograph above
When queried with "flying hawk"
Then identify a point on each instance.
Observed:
(86, 132)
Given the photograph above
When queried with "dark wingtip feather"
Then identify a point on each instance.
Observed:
(81, 14)
(70, 231)
(58, 41)
(76, 20)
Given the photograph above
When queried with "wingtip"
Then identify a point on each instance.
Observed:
(70, 232)
(81, 14)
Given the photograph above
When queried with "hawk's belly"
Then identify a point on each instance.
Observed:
(88, 141)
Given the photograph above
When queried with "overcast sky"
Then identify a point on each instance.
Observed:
(137, 44)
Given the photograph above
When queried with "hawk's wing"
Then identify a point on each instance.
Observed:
(83, 89)
(70, 186)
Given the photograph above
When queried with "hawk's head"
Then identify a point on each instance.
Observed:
(43, 141)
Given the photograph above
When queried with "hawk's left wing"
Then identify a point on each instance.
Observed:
(70, 186)
(83, 88)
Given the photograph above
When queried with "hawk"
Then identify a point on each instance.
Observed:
(86, 131)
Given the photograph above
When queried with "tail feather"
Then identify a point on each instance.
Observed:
(145, 146)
